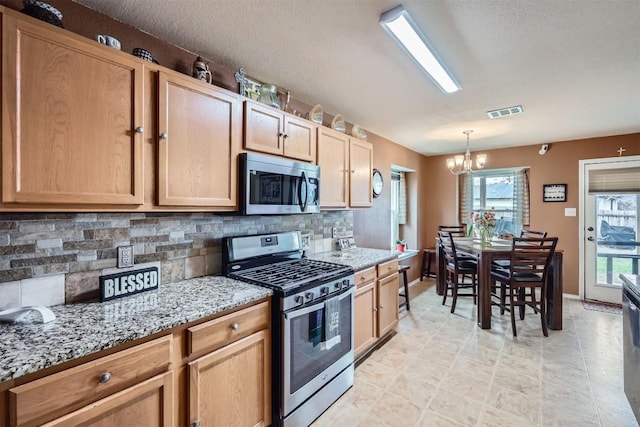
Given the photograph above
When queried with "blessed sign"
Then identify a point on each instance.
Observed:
(128, 283)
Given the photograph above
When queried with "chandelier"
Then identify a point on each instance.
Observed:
(462, 164)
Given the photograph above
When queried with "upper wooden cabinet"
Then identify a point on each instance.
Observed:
(346, 170)
(271, 131)
(71, 119)
(199, 139)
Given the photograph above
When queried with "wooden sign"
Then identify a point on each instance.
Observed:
(120, 285)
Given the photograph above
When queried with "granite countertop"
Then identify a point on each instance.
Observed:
(358, 258)
(85, 328)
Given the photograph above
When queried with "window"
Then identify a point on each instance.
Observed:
(395, 198)
(503, 191)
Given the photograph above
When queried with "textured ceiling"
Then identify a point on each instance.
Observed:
(574, 66)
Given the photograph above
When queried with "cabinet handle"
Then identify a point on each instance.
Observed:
(375, 309)
(235, 326)
(286, 135)
(196, 423)
(164, 135)
(382, 307)
(139, 129)
(353, 171)
(362, 278)
(104, 378)
(389, 267)
(281, 134)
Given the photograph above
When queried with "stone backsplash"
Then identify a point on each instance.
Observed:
(53, 258)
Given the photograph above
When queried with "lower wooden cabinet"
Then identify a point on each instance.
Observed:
(232, 386)
(376, 304)
(216, 372)
(149, 403)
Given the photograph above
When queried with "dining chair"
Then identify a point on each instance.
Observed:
(429, 254)
(528, 269)
(524, 234)
(455, 271)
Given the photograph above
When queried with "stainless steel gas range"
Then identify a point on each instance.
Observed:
(312, 321)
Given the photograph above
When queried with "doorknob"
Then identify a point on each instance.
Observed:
(590, 229)
(590, 238)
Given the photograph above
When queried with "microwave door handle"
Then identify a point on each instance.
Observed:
(303, 200)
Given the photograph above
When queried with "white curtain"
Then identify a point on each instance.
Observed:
(402, 200)
(521, 208)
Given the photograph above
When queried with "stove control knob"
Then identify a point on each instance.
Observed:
(298, 299)
(345, 283)
(309, 296)
(324, 290)
(337, 285)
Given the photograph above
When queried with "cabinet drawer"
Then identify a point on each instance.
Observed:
(226, 329)
(365, 276)
(73, 388)
(387, 268)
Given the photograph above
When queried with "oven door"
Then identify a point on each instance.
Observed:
(278, 186)
(307, 364)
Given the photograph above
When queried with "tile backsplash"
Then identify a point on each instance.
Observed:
(52, 258)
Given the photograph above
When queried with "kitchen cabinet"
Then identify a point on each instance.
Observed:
(199, 139)
(347, 167)
(96, 392)
(231, 385)
(272, 131)
(376, 304)
(72, 117)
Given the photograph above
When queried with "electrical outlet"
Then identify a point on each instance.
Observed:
(125, 256)
(334, 232)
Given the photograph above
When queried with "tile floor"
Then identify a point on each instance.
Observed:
(441, 370)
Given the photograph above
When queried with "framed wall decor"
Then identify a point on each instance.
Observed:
(554, 192)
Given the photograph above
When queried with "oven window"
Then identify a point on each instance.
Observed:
(308, 359)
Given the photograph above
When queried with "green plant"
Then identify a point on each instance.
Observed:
(400, 241)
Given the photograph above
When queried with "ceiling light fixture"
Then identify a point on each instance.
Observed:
(400, 26)
(462, 164)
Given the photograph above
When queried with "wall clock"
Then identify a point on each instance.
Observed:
(378, 183)
(554, 193)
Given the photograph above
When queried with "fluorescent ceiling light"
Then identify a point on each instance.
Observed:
(399, 25)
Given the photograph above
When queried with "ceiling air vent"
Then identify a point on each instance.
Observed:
(503, 112)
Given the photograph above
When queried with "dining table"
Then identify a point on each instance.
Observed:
(486, 252)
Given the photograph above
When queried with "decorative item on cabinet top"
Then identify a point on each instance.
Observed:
(269, 95)
(358, 132)
(316, 114)
(338, 123)
(201, 70)
(42, 11)
(143, 54)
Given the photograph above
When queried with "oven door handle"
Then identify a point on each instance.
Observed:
(303, 200)
(295, 312)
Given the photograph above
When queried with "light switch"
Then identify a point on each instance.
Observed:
(569, 211)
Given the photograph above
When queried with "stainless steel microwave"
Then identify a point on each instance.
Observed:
(273, 185)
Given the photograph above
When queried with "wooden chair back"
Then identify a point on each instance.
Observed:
(530, 260)
(532, 234)
(455, 230)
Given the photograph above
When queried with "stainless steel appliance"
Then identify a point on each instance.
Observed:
(631, 340)
(312, 321)
(272, 185)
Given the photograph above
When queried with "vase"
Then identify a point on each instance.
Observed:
(486, 234)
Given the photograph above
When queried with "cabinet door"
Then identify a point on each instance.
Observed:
(299, 139)
(361, 164)
(199, 138)
(149, 403)
(263, 128)
(70, 111)
(387, 304)
(333, 152)
(365, 317)
(232, 386)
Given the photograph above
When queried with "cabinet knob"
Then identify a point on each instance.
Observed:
(286, 135)
(382, 307)
(389, 267)
(139, 129)
(164, 135)
(362, 278)
(196, 423)
(375, 309)
(235, 326)
(281, 134)
(104, 378)
(353, 171)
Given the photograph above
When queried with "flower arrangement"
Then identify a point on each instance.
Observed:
(485, 222)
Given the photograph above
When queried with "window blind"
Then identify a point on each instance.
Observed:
(624, 180)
